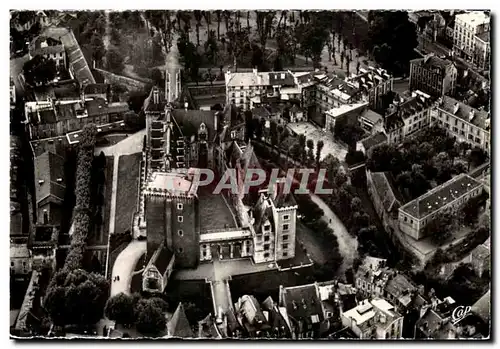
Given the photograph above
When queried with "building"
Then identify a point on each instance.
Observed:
(50, 188)
(406, 116)
(49, 48)
(20, 259)
(251, 317)
(467, 26)
(433, 75)
(371, 121)
(42, 243)
(367, 144)
(12, 93)
(464, 122)
(178, 325)
(172, 217)
(24, 20)
(373, 83)
(448, 197)
(241, 87)
(482, 53)
(374, 319)
(304, 308)
(349, 111)
(384, 194)
(278, 319)
(157, 273)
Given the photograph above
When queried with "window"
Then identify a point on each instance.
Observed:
(180, 232)
(180, 219)
(266, 247)
(285, 254)
(266, 238)
(267, 227)
(180, 250)
(286, 217)
(204, 246)
(285, 246)
(11, 264)
(405, 219)
(266, 255)
(180, 206)
(285, 226)
(285, 237)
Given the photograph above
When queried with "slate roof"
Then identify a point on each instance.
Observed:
(196, 118)
(434, 199)
(96, 89)
(464, 111)
(482, 307)
(399, 284)
(49, 167)
(387, 191)
(374, 140)
(161, 258)
(485, 36)
(303, 303)
(432, 61)
(178, 326)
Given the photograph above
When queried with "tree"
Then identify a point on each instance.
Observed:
(274, 133)
(319, 148)
(440, 227)
(39, 71)
(211, 47)
(150, 319)
(76, 297)
(157, 77)
(114, 60)
(392, 39)
(120, 308)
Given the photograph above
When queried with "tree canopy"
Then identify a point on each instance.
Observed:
(39, 70)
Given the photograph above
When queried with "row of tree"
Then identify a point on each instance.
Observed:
(75, 296)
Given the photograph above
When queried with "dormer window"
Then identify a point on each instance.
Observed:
(202, 127)
(41, 181)
(59, 180)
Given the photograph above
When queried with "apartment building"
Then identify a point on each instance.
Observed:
(482, 53)
(374, 319)
(433, 75)
(405, 116)
(465, 123)
(467, 26)
(448, 197)
(373, 83)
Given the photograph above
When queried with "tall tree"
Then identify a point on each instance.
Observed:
(39, 70)
(319, 148)
(120, 308)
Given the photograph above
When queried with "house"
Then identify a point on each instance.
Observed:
(465, 123)
(374, 319)
(468, 25)
(371, 121)
(372, 276)
(348, 111)
(408, 115)
(25, 20)
(482, 51)
(178, 325)
(480, 259)
(482, 307)
(20, 259)
(373, 83)
(251, 317)
(450, 196)
(42, 243)
(50, 188)
(49, 48)
(157, 272)
(278, 319)
(385, 195)
(304, 308)
(433, 75)
(367, 144)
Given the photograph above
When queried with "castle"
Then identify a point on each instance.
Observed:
(176, 210)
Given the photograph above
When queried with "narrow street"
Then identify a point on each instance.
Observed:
(124, 267)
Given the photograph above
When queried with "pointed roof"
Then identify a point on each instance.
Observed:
(161, 259)
(49, 177)
(178, 326)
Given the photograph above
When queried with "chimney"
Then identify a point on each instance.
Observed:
(254, 70)
(455, 108)
(471, 114)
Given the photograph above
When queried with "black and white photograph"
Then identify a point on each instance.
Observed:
(250, 174)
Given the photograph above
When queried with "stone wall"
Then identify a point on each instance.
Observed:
(129, 83)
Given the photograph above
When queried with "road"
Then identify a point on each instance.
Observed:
(124, 267)
(16, 67)
(348, 245)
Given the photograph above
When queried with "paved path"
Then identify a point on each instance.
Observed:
(124, 266)
(348, 245)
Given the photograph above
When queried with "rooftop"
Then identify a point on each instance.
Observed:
(440, 196)
(372, 116)
(467, 113)
(303, 303)
(473, 18)
(484, 36)
(345, 108)
(225, 234)
(174, 183)
(374, 140)
(161, 258)
(257, 78)
(432, 61)
(49, 177)
(178, 326)
(386, 190)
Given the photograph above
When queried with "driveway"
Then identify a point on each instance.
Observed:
(124, 267)
(313, 132)
(348, 245)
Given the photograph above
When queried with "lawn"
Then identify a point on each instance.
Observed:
(127, 191)
(108, 186)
